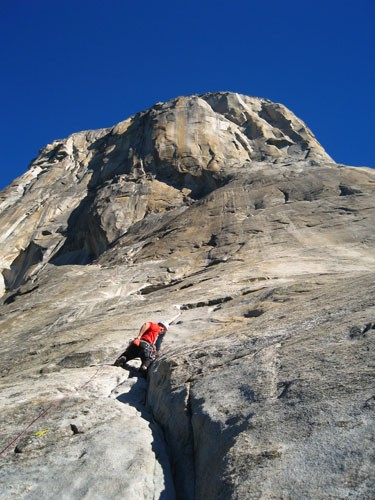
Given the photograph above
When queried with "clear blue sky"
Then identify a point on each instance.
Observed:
(85, 64)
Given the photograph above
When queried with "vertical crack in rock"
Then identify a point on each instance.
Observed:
(172, 410)
(229, 206)
(204, 420)
(132, 394)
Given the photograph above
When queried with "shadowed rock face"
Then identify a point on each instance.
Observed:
(225, 211)
(83, 193)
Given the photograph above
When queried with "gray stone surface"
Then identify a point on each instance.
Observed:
(223, 212)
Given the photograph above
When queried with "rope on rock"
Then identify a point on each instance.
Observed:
(23, 432)
(43, 414)
(53, 405)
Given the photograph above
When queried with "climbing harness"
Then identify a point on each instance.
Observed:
(148, 349)
(150, 352)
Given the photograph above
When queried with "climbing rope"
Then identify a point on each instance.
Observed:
(56, 403)
(43, 414)
(23, 432)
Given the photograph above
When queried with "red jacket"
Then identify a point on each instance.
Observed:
(152, 333)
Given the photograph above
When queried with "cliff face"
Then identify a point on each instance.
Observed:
(222, 210)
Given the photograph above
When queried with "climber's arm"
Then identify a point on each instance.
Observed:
(143, 329)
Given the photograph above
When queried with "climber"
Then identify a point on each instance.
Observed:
(143, 346)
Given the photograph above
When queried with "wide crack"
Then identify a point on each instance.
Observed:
(132, 392)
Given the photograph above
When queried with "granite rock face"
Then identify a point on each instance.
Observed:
(90, 189)
(224, 213)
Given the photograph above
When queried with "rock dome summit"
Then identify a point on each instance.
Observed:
(222, 214)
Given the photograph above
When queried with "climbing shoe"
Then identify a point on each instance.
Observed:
(120, 361)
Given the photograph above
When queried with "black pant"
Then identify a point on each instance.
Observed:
(143, 351)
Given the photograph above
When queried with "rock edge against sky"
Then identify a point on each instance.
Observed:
(225, 211)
